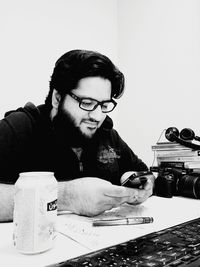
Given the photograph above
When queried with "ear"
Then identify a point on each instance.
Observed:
(55, 98)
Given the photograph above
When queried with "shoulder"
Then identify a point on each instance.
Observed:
(23, 118)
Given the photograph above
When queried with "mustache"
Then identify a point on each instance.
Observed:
(64, 125)
(91, 120)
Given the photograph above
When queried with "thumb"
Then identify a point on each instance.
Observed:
(117, 191)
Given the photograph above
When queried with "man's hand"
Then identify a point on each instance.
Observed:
(144, 192)
(91, 196)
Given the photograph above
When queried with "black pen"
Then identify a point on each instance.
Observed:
(124, 221)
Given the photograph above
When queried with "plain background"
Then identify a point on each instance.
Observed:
(155, 43)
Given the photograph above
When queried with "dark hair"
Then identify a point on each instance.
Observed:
(77, 64)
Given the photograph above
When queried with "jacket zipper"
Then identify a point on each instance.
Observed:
(78, 152)
(80, 166)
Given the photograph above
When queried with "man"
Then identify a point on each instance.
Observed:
(72, 135)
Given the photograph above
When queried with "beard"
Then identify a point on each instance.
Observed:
(68, 133)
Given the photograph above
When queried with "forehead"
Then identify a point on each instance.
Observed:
(94, 87)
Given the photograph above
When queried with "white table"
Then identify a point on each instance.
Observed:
(166, 212)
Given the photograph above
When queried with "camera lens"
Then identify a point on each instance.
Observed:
(189, 186)
(197, 188)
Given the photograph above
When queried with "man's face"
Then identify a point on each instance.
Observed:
(87, 122)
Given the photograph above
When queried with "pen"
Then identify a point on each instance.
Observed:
(125, 221)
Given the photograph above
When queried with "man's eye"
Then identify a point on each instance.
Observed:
(87, 103)
(105, 105)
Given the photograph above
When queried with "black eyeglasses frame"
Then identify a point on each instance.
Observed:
(98, 103)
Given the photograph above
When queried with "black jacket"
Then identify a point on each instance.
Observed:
(28, 142)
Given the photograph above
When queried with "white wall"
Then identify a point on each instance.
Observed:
(34, 34)
(160, 55)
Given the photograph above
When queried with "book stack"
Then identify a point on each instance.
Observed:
(175, 155)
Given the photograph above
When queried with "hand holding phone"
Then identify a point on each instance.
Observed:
(135, 179)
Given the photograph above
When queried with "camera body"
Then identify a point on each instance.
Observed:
(176, 182)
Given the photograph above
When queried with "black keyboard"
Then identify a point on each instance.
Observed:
(175, 246)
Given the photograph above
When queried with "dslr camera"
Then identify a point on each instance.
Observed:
(176, 182)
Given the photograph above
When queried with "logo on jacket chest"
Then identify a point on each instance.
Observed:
(107, 155)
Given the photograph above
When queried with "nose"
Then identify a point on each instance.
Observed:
(96, 114)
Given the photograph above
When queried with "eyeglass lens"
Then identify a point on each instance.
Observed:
(92, 105)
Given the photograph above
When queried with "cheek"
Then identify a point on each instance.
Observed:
(102, 120)
(74, 112)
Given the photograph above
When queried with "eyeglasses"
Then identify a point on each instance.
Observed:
(90, 104)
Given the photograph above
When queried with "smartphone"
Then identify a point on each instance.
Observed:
(136, 179)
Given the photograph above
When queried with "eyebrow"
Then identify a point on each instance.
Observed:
(86, 97)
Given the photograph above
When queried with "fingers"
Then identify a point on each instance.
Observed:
(150, 182)
(100, 195)
(113, 203)
(119, 194)
(142, 194)
(117, 191)
(126, 194)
